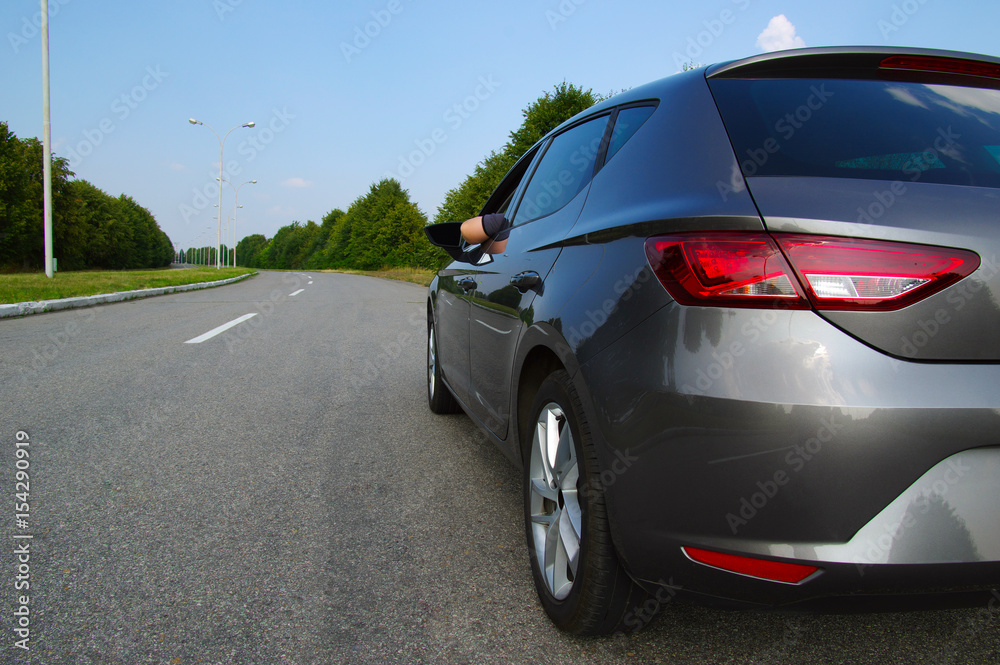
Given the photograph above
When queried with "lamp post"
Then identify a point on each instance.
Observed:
(237, 206)
(233, 264)
(46, 147)
(222, 140)
(218, 250)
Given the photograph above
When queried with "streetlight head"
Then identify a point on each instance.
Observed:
(250, 124)
(254, 182)
(194, 122)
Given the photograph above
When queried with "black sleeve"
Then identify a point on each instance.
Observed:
(496, 226)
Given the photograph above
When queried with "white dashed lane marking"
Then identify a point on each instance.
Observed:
(221, 329)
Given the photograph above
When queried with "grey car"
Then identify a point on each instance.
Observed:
(743, 340)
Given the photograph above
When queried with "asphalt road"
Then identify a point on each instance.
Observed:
(280, 493)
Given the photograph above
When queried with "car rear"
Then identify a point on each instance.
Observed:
(814, 410)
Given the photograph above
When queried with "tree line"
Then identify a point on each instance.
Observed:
(383, 228)
(90, 228)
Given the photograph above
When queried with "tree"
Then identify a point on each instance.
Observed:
(248, 250)
(381, 228)
(17, 213)
(540, 117)
(89, 227)
(317, 251)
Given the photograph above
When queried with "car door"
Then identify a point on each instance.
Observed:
(456, 289)
(451, 314)
(501, 304)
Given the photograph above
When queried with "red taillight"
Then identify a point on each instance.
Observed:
(857, 274)
(730, 269)
(775, 571)
(724, 269)
(941, 65)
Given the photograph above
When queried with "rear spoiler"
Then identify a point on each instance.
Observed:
(864, 62)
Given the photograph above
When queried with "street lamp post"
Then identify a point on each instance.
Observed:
(218, 250)
(233, 219)
(46, 146)
(222, 140)
(236, 207)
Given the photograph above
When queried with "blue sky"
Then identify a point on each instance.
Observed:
(346, 93)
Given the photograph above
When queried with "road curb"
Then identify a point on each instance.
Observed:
(42, 306)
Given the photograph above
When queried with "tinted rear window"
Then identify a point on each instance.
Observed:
(884, 130)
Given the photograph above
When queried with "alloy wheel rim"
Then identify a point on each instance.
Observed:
(431, 363)
(554, 501)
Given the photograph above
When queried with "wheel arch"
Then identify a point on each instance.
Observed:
(544, 350)
(431, 303)
(541, 352)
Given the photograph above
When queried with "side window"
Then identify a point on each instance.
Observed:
(628, 123)
(565, 169)
(500, 198)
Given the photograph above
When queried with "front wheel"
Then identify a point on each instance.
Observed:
(439, 397)
(580, 581)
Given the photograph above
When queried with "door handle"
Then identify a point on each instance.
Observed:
(525, 280)
(467, 284)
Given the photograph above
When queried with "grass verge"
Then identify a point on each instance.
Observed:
(420, 276)
(27, 287)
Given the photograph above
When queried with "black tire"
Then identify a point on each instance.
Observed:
(592, 595)
(439, 397)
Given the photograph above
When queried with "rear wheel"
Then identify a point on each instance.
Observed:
(439, 397)
(580, 581)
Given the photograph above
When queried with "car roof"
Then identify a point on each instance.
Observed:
(826, 62)
(833, 60)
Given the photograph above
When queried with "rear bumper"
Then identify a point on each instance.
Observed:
(776, 435)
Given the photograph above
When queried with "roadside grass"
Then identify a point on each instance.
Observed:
(27, 287)
(420, 276)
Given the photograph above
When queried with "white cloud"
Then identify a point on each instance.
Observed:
(297, 183)
(175, 167)
(779, 35)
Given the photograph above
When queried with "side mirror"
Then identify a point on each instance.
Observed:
(448, 236)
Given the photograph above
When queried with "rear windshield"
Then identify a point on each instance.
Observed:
(884, 130)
